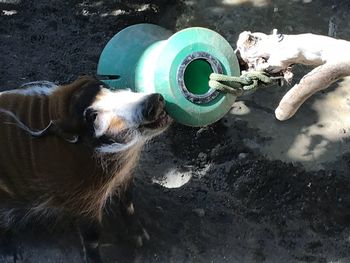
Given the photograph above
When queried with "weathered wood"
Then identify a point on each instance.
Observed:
(277, 53)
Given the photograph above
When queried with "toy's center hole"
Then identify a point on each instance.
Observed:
(196, 76)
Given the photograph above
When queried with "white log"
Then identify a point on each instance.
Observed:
(277, 53)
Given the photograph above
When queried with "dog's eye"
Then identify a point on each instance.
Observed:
(90, 115)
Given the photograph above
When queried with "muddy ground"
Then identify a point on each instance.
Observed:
(237, 205)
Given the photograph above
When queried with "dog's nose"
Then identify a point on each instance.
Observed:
(152, 106)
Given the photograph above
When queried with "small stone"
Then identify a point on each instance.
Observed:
(199, 211)
(242, 156)
(215, 151)
(228, 167)
(201, 131)
(225, 122)
(202, 156)
(160, 209)
(251, 144)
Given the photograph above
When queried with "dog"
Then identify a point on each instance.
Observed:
(69, 149)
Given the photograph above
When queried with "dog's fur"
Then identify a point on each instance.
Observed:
(277, 53)
(69, 149)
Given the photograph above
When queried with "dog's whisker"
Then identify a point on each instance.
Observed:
(119, 147)
(74, 139)
(20, 124)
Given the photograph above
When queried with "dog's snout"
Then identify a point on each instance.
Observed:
(152, 106)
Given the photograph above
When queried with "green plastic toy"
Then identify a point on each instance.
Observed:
(149, 58)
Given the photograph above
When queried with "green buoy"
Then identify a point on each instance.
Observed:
(149, 58)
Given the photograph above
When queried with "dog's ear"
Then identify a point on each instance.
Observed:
(80, 95)
(83, 97)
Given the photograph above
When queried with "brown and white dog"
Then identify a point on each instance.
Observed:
(69, 149)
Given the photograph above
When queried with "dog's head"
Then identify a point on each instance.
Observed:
(113, 120)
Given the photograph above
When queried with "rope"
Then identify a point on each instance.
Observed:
(249, 81)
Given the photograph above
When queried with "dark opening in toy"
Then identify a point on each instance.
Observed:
(196, 76)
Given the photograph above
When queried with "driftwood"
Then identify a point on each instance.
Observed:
(277, 53)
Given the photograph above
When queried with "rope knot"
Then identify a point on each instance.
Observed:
(248, 81)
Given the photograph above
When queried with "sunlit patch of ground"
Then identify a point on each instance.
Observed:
(256, 3)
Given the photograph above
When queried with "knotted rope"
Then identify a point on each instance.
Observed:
(249, 81)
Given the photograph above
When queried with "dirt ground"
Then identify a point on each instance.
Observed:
(203, 194)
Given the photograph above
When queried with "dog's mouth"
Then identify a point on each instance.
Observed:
(163, 120)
